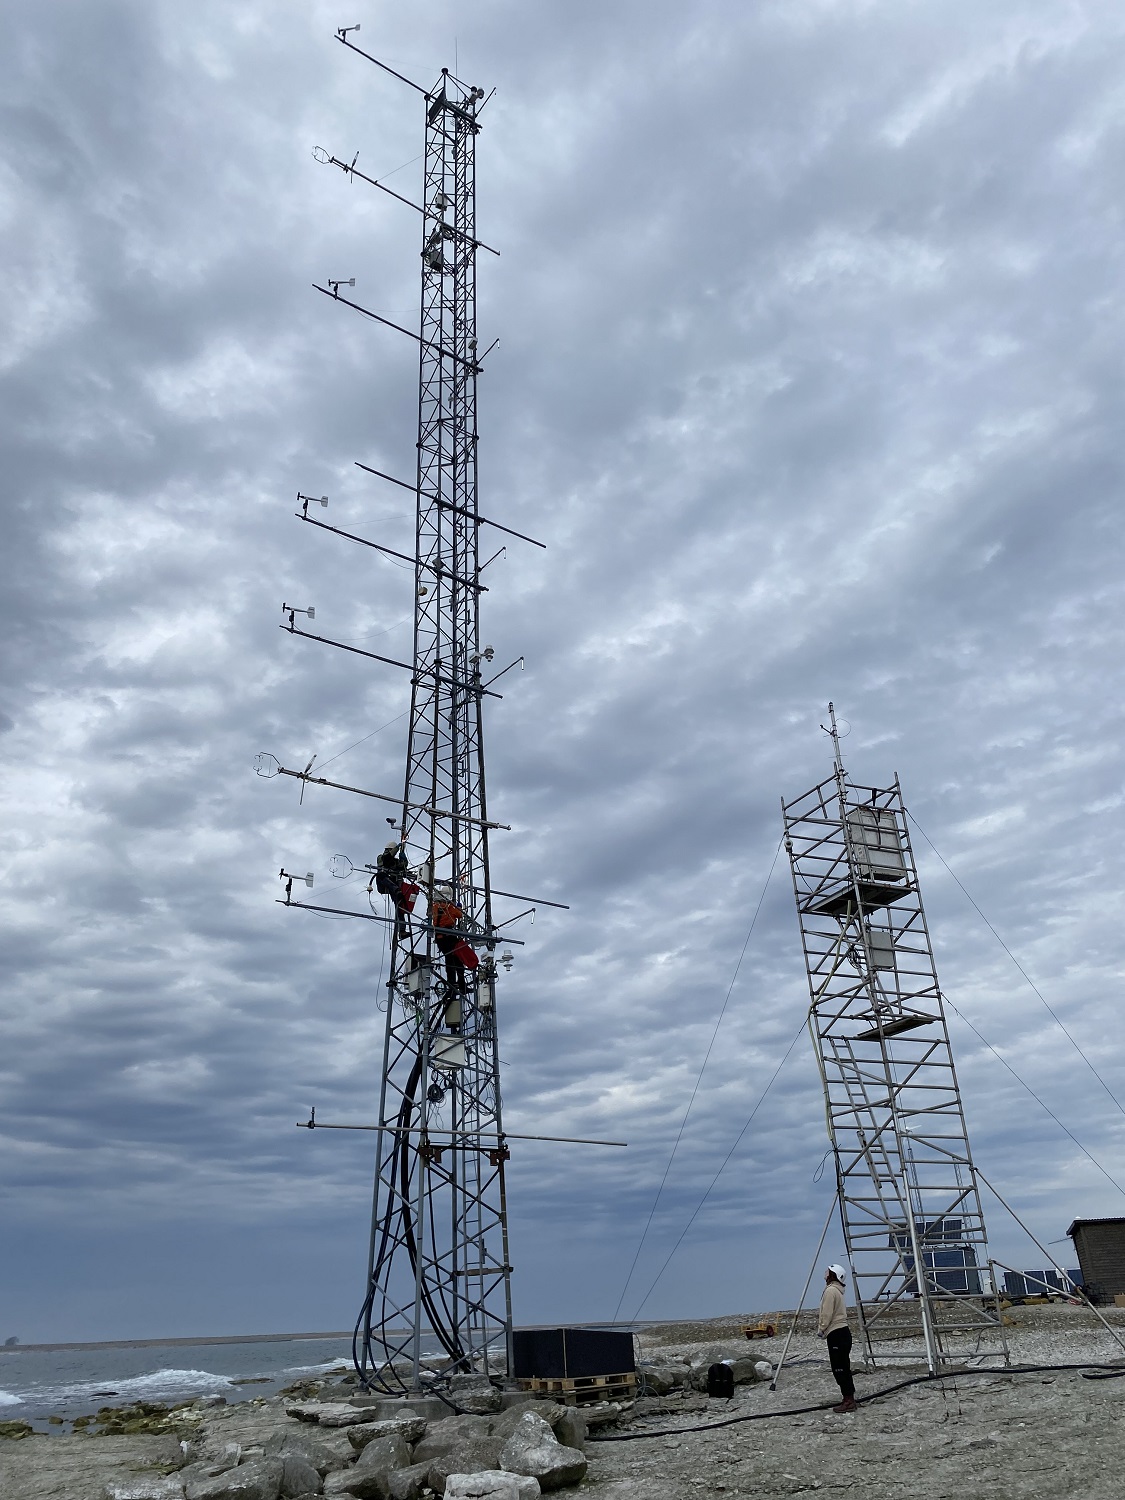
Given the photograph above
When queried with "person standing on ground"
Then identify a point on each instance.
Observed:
(833, 1326)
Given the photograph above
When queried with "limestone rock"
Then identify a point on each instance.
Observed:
(204, 1468)
(370, 1478)
(605, 1413)
(408, 1483)
(468, 1457)
(534, 1450)
(327, 1413)
(474, 1393)
(493, 1484)
(260, 1479)
(299, 1477)
(302, 1444)
(151, 1487)
(741, 1361)
(408, 1427)
(507, 1422)
(337, 1484)
(660, 1379)
(570, 1429)
(442, 1437)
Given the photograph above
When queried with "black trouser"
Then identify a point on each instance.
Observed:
(454, 968)
(839, 1348)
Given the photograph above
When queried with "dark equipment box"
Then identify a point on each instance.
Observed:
(570, 1353)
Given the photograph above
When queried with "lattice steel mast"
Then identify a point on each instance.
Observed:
(909, 1200)
(438, 1276)
(439, 1251)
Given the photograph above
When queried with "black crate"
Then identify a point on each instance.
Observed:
(566, 1353)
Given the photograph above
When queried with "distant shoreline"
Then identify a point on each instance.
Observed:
(286, 1338)
(236, 1338)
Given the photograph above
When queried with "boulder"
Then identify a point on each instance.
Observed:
(152, 1487)
(327, 1413)
(474, 1393)
(16, 1430)
(408, 1483)
(443, 1437)
(533, 1450)
(299, 1477)
(741, 1361)
(764, 1369)
(337, 1484)
(507, 1422)
(409, 1427)
(468, 1457)
(493, 1484)
(370, 1479)
(660, 1379)
(566, 1422)
(605, 1413)
(302, 1444)
(570, 1429)
(260, 1479)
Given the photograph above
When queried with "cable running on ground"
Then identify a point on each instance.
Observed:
(695, 1090)
(1098, 1372)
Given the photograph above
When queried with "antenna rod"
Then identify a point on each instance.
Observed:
(433, 812)
(436, 569)
(352, 170)
(370, 916)
(400, 76)
(417, 337)
(834, 732)
(467, 687)
(457, 1135)
(448, 505)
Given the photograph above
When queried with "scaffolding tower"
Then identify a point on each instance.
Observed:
(908, 1195)
(438, 1275)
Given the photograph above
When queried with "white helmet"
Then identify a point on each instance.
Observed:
(839, 1272)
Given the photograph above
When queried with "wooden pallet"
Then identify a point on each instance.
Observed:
(576, 1390)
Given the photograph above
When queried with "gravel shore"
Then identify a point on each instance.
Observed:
(994, 1434)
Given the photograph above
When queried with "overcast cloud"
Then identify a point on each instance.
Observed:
(809, 375)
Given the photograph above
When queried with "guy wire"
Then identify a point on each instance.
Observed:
(718, 1174)
(1054, 1016)
(695, 1090)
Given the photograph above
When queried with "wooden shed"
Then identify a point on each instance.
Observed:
(1100, 1247)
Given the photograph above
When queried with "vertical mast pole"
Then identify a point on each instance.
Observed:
(439, 1272)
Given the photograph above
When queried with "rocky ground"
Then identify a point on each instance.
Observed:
(1044, 1434)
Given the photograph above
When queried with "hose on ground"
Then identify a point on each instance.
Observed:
(1088, 1370)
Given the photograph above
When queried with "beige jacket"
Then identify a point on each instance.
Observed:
(833, 1313)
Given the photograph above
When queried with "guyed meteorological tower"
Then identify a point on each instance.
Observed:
(438, 1277)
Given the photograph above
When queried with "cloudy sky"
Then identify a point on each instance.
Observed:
(809, 375)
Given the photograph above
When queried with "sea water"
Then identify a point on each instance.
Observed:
(39, 1383)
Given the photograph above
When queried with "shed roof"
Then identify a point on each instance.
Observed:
(1081, 1224)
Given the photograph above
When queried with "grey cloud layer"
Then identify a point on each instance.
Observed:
(809, 374)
